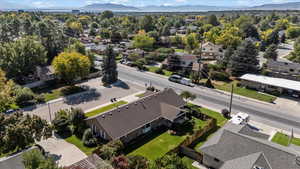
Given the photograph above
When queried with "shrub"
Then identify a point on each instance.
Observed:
(107, 152)
(159, 71)
(77, 118)
(88, 139)
(220, 76)
(225, 113)
(209, 84)
(24, 96)
(61, 122)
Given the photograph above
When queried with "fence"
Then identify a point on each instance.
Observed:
(183, 147)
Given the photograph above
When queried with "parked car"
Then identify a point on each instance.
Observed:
(187, 82)
(10, 111)
(175, 78)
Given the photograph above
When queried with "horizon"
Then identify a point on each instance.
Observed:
(136, 3)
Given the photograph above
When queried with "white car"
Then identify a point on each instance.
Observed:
(240, 118)
(187, 82)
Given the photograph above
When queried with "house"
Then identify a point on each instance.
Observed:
(241, 147)
(45, 73)
(130, 121)
(91, 162)
(178, 60)
(211, 51)
(284, 69)
(271, 84)
(14, 161)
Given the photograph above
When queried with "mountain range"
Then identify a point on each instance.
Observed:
(153, 8)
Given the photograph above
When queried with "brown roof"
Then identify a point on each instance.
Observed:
(125, 119)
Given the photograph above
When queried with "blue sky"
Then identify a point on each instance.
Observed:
(79, 3)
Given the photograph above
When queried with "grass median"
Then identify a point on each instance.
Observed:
(105, 108)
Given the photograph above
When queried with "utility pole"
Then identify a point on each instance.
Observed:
(199, 60)
(231, 96)
(49, 111)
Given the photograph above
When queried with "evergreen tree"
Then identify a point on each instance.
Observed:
(227, 55)
(213, 20)
(244, 59)
(271, 52)
(109, 67)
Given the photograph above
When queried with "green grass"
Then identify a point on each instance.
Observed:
(188, 162)
(180, 50)
(283, 139)
(105, 108)
(158, 146)
(64, 91)
(79, 144)
(153, 69)
(221, 121)
(140, 95)
(245, 92)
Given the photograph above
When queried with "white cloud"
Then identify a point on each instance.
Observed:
(42, 4)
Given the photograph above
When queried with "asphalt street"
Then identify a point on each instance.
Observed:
(267, 113)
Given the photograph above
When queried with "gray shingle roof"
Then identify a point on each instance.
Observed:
(125, 119)
(227, 145)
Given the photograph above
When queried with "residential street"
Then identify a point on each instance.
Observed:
(267, 113)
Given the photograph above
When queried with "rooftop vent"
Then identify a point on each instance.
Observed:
(103, 116)
(127, 107)
(110, 113)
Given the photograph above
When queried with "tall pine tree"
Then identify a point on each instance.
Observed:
(109, 67)
(244, 60)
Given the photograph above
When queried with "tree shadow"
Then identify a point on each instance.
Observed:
(90, 95)
(121, 84)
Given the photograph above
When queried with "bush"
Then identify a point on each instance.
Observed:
(225, 113)
(220, 76)
(159, 71)
(61, 122)
(209, 84)
(77, 119)
(88, 139)
(24, 97)
(165, 50)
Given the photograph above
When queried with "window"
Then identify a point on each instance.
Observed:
(291, 70)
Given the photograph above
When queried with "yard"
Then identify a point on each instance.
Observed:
(283, 139)
(79, 144)
(158, 144)
(60, 92)
(105, 108)
(153, 69)
(243, 91)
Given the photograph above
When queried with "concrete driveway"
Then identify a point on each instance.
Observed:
(63, 152)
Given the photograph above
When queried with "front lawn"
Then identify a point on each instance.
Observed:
(221, 121)
(79, 144)
(153, 69)
(60, 92)
(244, 92)
(105, 108)
(283, 139)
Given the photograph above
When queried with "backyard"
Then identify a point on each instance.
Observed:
(283, 139)
(105, 108)
(158, 143)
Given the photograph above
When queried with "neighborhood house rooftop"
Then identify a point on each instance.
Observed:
(278, 82)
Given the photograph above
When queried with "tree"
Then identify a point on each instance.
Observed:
(227, 55)
(191, 42)
(107, 14)
(77, 120)
(293, 32)
(19, 131)
(7, 92)
(249, 30)
(109, 67)
(213, 20)
(70, 66)
(171, 161)
(120, 162)
(61, 122)
(19, 59)
(138, 162)
(213, 34)
(146, 23)
(143, 41)
(187, 96)
(244, 59)
(271, 52)
(230, 36)
(88, 138)
(34, 159)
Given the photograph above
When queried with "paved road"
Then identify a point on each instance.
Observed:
(97, 95)
(263, 112)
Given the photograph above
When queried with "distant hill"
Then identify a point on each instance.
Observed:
(185, 8)
(282, 6)
(109, 6)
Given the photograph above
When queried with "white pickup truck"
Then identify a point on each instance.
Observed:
(240, 118)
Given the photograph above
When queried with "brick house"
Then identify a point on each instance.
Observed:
(130, 121)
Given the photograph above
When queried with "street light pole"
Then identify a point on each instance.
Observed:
(231, 96)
